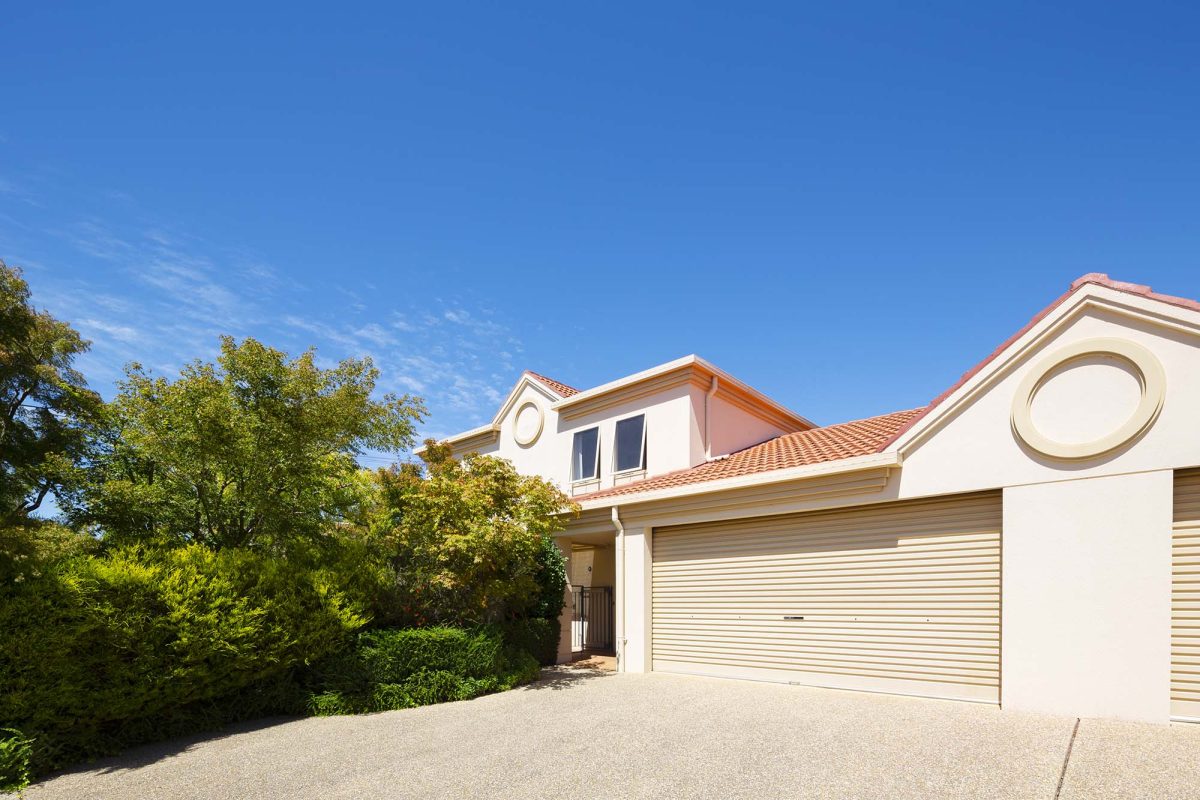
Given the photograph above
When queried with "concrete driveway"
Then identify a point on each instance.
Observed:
(589, 734)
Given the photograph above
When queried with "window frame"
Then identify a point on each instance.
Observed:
(596, 466)
(641, 467)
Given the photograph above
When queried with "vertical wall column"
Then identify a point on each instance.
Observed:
(567, 617)
(635, 600)
(1086, 597)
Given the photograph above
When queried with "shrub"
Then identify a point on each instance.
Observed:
(15, 753)
(465, 539)
(390, 669)
(538, 637)
(551, 577)
(102, 653)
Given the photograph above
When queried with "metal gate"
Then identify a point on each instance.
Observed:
(592, 627)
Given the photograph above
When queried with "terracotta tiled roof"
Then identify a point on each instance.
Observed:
(831, 443)
(562, 389)
(1092, 278)
(861, 437)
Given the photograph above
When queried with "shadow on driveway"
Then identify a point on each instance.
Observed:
(552, 678)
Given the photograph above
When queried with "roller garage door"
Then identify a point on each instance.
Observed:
(897, 597)
(1185, 598)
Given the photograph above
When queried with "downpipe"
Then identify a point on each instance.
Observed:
(619, 600)
(708, 396)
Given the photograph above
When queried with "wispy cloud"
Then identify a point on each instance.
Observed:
(122, 333)
(150, 292)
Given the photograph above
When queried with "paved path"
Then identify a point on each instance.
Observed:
(599, 735)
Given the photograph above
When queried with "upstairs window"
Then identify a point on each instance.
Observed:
(631, 444)
(585, 455)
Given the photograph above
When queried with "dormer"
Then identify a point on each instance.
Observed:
(667, 418)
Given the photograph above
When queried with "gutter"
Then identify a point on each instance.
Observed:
(871, 461)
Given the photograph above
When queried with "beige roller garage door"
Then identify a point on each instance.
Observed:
(897, 597)
(1185, 598)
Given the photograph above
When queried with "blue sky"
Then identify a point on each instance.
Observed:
(846, 205)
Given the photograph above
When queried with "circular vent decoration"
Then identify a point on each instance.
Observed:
(528, 425)
(1089, 398)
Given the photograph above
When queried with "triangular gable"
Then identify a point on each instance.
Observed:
(527, 379)
(1094, 290)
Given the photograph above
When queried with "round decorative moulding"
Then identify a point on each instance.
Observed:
(1096, 395)
(527, 423)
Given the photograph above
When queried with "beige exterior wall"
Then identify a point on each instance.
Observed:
(670, 436)
(1086, 614)
(633, 607)
(976, 449)
(568, 612)
(593, 565)
(730, 426)
(1086, 543)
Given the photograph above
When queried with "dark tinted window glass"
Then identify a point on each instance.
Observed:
(631, 443)
(584, 454)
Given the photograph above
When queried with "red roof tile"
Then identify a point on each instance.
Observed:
(858, 438)
(818, 445)
(561, 388)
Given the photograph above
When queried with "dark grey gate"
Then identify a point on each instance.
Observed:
(592, 628)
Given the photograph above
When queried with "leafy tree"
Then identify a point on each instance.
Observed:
(465, 538)
(551, 579)
(254, 451)
(45, 405)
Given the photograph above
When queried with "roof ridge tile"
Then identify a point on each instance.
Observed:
(558, 386)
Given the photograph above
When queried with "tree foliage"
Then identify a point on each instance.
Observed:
(254, 451)
(466, 538)
(221, 546)
(102, 652)
(45, 405)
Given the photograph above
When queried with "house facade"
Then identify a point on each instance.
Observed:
(1030, 538)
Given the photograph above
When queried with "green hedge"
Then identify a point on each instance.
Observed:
(16, 751)
(538, 637)
(390, 669)
(101, 653)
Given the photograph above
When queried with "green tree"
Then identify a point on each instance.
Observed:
(45, 405)
(255, 451)
(465, 537)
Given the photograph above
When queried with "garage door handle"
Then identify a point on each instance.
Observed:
(787, 617)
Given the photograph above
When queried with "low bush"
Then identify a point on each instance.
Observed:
(101, 653)
(16, 750)
(391, 669)
(538, 637)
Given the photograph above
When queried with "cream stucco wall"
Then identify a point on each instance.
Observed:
(1086, 542)
(978, 450)
(730, 427)
(568, 612)
(668, 432)
(1086, 589)
(1086, 572)
(669, 436)
(634, 606)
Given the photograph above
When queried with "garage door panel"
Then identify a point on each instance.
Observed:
(837, 550)
(1185, 597)
(845, 657)
(972, 690)
(900, 597)
(915, 649)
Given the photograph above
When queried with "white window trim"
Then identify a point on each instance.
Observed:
(591, 478)
(641, 467)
